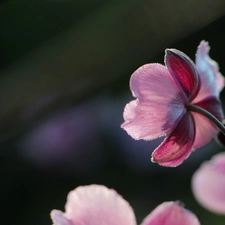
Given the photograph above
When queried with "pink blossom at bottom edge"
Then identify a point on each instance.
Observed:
(98, 205)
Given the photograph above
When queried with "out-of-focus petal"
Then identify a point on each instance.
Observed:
(98, 205)
(205, 129)
(212, 82)
(208, 184)
(183, 71)
(58, 218)
(177, 146)
(159, 105)
(171, 213)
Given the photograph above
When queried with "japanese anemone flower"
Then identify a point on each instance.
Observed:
(179, 100)
(98, 205)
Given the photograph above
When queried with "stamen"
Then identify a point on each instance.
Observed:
(208, 115)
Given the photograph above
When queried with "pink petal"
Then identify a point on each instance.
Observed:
(183, 71)
(58, 218)
(205, 129)
(159, 105)
(98, 205)
(208, 184)
(170, 213)
(177, 146)
(212, 82)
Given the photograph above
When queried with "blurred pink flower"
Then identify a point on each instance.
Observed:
(208, 184)
(167, 100)
(69, 141)
(171, 213)
(98, 205)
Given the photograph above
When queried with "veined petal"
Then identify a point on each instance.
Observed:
(159, 105)
(177, 146)
(171, 213)
(98, 205)
(212, 82)
(208, 184)
(205, 129)
(184, 72)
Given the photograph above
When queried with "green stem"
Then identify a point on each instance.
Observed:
(208, 115)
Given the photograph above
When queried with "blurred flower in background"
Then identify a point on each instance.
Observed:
(208, 184)
(70, 140)
(98, 205)
(171, 213)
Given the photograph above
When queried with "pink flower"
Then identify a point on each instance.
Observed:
(68, 141)
(171, 100)
(208, 184)
(170, 213)
(98, 205)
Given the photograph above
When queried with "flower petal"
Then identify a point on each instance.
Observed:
(159, 105)
(205, 129)
(98, 205)
(58, 218)
(177, 146)
(208, 184)
(212, 82)
(170, 213)
(183, 71)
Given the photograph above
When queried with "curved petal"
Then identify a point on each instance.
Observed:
(212, 82)
(205, 129)
(177, 146)
(171, 213)
(208, 184)
(98, 205)
(159, 105)
(184, 72)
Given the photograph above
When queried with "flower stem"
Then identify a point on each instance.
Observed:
(208, 115)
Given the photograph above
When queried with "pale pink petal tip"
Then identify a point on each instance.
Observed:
(171, 213)
(208, 184)
(208, 68)
(58, 218)
(97, 205)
